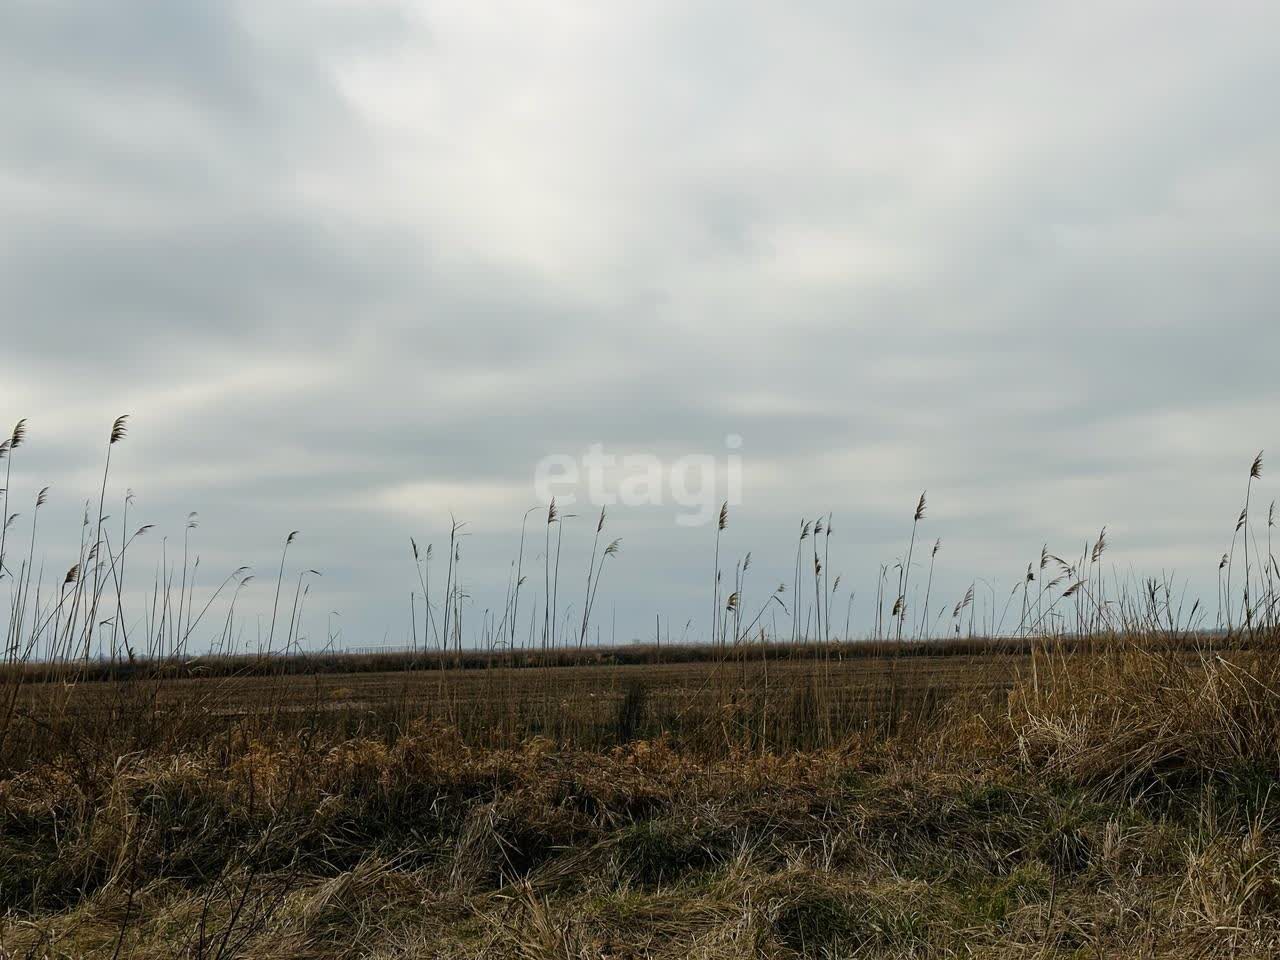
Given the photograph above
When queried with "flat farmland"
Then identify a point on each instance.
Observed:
(778, 702)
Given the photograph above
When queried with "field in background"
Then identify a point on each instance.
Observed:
(702, 704)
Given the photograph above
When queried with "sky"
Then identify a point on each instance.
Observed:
(356, 268)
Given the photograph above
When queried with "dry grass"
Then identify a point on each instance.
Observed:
(1122, 806)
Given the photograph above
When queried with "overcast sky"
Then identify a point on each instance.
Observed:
(352, 267)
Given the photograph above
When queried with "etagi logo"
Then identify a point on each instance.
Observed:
(698, 483)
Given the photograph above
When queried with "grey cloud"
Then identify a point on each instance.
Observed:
(994, 252)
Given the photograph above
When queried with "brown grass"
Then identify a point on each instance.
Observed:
(1117, 804)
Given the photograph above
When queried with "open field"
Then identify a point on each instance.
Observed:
(706, 704)
(1099, 781)
(1117, 803)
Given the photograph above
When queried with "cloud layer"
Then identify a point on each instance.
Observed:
(353, 267)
